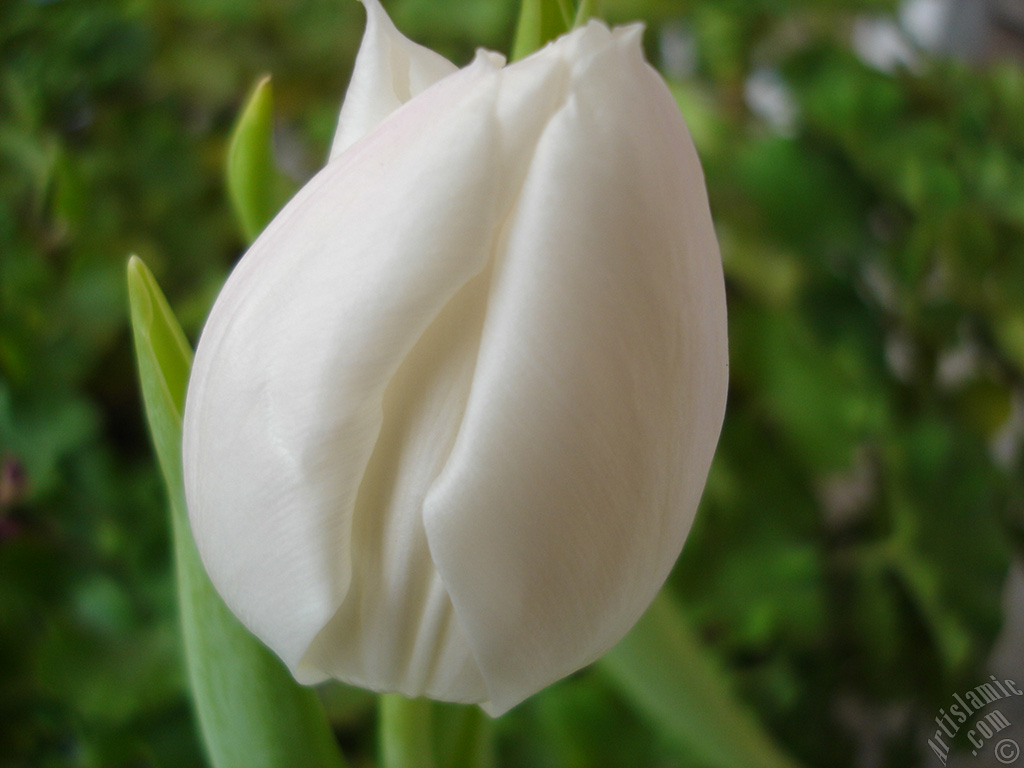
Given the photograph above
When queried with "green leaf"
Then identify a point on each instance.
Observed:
(251, 712)
(540, 22)
(673, 682)
(256, 189)
(587, 10)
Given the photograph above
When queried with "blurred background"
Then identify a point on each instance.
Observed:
(857, 559)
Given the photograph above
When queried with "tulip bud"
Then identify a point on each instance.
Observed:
(452, 413)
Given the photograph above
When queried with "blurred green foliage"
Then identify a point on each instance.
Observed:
(860, 516)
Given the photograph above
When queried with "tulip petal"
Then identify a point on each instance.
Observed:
(285, 400)
(599, 390)
(390, 69)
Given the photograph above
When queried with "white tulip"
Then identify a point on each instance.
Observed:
(452, 413)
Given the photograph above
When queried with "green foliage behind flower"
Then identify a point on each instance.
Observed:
(855, 534)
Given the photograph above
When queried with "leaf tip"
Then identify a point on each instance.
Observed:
(249, 164)
(263, 90)
(139, 300)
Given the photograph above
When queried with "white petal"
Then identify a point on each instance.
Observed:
(330, 383)
(390, 69)
(285, 398)
(599, 391)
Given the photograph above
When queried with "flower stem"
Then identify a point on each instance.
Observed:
(464, 737)
(417, 733)
(672, 680)
(405, 732)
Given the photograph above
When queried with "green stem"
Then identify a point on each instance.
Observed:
(464, 737)
(672, 680)
(406, 732)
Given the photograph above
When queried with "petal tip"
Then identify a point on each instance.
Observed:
(630, 34)
(489, 58)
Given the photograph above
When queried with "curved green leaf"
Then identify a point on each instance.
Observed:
(256, 189)
(540, 22)
(585, 11)
(673, 682)
(251, 712)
